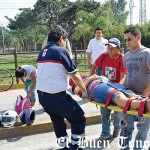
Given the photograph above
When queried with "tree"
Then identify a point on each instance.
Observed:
(87, 22)
(145, 31)
(48, 12)
(118, 9)
(23, 20)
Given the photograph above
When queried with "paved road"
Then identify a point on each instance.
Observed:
(47, 141)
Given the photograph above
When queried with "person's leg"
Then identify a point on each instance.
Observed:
(127, 128)
(60, 130)
(102, 91)
(105, 117)
(76, 117)
(116, 123)
(58, 120)
(66, 107)
(143, 128)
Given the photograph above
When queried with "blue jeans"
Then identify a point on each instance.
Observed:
(101, 92)
(106, 121)
(126, 131)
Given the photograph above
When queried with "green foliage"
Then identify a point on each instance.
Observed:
(145, 31)
(79, 18)
(48, 12)
(118, 10)
(23, 20)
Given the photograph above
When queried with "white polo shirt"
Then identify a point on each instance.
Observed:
(96, 47)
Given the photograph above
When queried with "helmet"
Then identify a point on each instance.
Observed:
(9, 118)
(27, 116)
(22, 104)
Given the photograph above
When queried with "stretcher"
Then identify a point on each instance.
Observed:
(119, 109)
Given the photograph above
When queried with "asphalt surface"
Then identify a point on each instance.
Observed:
(47, 141)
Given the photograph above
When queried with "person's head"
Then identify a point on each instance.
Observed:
(132, 38)
(98, 33)
(113, 47)
(20, 72)
(58, 34)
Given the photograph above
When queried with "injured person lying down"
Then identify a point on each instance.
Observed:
(100, 89)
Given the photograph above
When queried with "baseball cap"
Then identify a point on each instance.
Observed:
(114, 42)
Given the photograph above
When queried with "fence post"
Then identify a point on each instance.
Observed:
(76, 63)
(16, 63)
(85, 60)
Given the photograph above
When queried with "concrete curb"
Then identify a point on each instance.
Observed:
(41, 127)
(17, 86)
(14, 86)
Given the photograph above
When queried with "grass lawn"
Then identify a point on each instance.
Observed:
(8, 62)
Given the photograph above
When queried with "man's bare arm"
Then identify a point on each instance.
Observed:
(33, 80)
(44, 43)
(86, 83)
(92, 71)
(89, 59)
(123, 78)
(22, 80)
(147, 91)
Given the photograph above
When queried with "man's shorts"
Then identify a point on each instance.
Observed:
(101, 92)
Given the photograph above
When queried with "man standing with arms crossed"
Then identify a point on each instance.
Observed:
(96, 47)
(137, 62)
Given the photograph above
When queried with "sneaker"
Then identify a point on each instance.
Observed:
(101, 138)
(115, 134)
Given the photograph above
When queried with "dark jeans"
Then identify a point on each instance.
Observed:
(64, 106)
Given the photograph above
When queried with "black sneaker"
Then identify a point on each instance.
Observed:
(115, 134)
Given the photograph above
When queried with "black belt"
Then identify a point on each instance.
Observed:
(44, 93)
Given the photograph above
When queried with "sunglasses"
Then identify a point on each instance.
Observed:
(127, 40)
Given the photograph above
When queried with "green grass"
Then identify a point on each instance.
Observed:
(29, 60)
(10, 62)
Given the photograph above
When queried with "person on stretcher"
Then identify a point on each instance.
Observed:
(100, 89)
